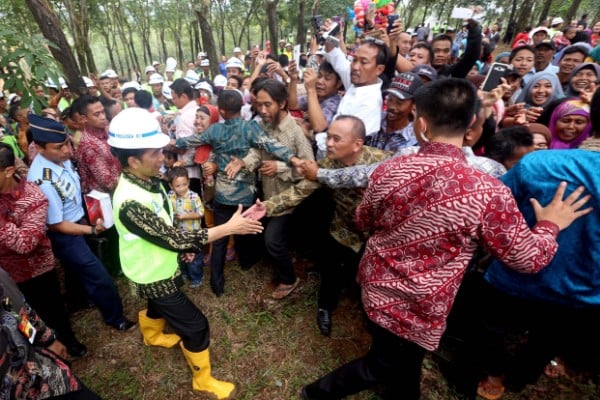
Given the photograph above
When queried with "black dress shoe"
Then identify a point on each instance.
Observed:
(76, 349)
(124, 326)
(304, 394)
(324, 321)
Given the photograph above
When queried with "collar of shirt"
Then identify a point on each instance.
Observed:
(99, 133)
(153, 185)
(442, 149)
(366, 90)
(56, 168)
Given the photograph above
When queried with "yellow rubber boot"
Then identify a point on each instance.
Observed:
(202, 379)
(152, 331)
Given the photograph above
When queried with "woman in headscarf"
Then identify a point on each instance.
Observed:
(541, 90)
(582, 78)
(570, 124)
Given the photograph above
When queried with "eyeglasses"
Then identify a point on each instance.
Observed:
(375, 41)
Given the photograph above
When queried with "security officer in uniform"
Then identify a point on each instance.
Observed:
(52, 170)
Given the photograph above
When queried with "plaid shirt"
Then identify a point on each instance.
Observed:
(188, 203)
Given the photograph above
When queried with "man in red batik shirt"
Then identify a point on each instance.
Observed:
(426, 214)
(97, 167)
(98, 170)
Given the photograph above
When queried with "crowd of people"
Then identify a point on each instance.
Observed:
(463, 215)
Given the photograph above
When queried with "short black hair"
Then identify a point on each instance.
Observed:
(358, 126)
(83, 102)
(383, 52)
(123, 155)
(574, 49)
(238, 78)
(230, 101)
(426, 46)
(327, 68)
(7, 156)
(440, 38)
(128, 90)
(502, 144)
(447, 104)
(143, 99)
(283, 60)
(177, 172)
(181, 86)
(108, 105)
(514, 51)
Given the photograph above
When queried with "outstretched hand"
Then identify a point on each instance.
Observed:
(240, 225)
(563, 212)
(234, 166)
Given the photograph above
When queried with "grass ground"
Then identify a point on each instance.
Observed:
(269, 348)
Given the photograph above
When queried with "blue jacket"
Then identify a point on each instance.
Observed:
(573, 276)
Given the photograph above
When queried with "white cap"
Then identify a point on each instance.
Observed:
(234, 62)
(191, 76)
(220, 81)
(134, 128)
(167, 91)
(131, 84)
(88, 82)
(538, 29)
(557, 20)
(149, 68)
(155, 78)
(171, 64)
(237, 50)
(155, 63)
(109, 73)
(204, 63)
(62, 83)
(201, 54)
(204, 86)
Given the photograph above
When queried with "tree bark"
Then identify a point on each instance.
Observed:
(49, 25)
(301, 29)
(573, 9)
(271, 9)
(545, 11)
(202, 9)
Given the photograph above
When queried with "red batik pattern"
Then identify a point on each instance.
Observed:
(97, 167)
(427, 213)
(24, 248)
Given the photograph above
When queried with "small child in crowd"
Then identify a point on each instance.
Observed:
(168, 164)
(189, 210)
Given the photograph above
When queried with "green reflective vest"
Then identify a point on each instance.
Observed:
(142, 261)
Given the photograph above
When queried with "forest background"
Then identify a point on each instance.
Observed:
(90, 36)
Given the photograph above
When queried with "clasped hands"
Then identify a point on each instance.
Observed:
(306, 168)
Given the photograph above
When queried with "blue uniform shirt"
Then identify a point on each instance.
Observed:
(61, 186)
(573, 276)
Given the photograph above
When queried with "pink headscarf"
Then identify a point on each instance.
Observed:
(569, 107)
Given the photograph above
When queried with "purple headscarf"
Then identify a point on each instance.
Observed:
(569, 107)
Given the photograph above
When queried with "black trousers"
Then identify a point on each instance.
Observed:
(43, 295)
(276, 243)
(338, 265)
(248, 248)
(391, 361)
(184, 317)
